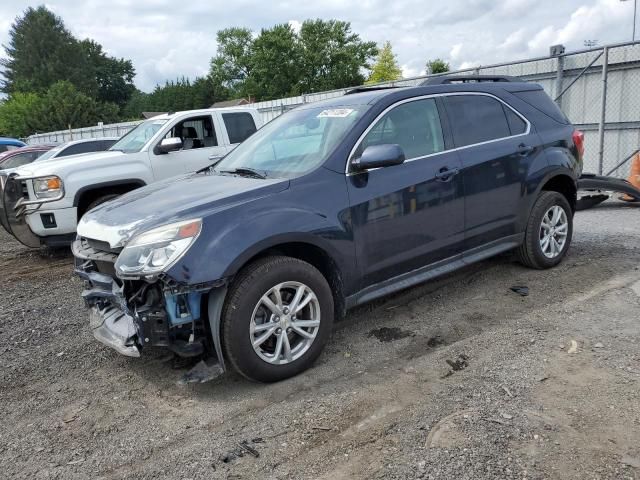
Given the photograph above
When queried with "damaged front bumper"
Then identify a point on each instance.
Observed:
(129, 315)
(109, 317)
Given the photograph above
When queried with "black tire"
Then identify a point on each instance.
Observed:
(530, 252)
(101, 200)
(244, 294)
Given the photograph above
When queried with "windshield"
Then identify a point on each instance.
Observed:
(137, 138)
(294, 143)
(49, 154)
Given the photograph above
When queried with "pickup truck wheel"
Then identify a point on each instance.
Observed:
(277, 318)
(101, 200)
(549, 231)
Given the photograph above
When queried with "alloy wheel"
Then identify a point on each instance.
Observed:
(284, 323)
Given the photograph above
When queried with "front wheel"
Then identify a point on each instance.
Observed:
(277, 318)
(548, 232)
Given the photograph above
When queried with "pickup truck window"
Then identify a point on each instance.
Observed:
(137, 138)
(195, 132)
(293, 144)
(240, 126)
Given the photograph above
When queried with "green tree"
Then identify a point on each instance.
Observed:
(437, 66)
(114, 76)
(40, 52)
(332, 56)
(231, 67)
(275, 60)
(63, 106)
(20, 115)
(323, 55)
(386, 67)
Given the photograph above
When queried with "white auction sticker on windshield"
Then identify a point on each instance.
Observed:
(335, 113)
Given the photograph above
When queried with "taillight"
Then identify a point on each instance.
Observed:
(578, 140)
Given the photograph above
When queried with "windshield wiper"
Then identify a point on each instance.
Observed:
(245, 171)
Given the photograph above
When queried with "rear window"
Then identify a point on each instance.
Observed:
(476, 119)
(240, 125)
(539, 100)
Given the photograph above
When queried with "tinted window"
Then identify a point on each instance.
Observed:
(78, 148)
(106, 144)
(20, 159)
(415, 126)
(516, 124)
(539, 100)
(239, 125)
(476, 119)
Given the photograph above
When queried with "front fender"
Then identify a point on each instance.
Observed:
(311, 212)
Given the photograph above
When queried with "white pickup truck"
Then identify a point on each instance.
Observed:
(41, 203)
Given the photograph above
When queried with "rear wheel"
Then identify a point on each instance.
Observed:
(548, 233)
(277, 318)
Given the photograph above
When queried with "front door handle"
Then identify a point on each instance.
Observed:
(524, 150)
(446, 174)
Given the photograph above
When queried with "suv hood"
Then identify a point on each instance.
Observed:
(172, 200)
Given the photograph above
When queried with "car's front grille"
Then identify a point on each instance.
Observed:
(90, 249)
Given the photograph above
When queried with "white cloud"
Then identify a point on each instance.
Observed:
(166, 40)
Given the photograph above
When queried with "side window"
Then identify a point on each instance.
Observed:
(415, 126)
(84, 147)
(196, 132)
(476, 119)
(517, 126)
(240, 125)
(8, 148)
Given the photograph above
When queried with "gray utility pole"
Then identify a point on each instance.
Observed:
(635, 10)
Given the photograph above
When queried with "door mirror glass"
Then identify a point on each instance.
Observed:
(377, 156)
(170, 144)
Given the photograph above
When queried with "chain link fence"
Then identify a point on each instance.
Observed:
(597, 89)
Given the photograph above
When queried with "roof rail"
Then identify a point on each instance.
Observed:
(372, 88)
(447, 79)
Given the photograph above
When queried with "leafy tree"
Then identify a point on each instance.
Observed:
(231, 67)
(332, 55)
(437, 66)
(19, 115)
(275, 60)
(60, 107)
(278, 62)
(181, 94)
(41, 51)
(114, 76)
(386, 67)
(63, 106)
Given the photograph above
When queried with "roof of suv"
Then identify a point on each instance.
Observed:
(371, 95)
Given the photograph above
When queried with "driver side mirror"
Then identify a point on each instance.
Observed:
(168, 145)
(378, 156)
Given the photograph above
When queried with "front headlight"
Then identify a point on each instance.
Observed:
(154, 251)
(48, 187)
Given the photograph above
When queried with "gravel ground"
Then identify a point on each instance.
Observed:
(460, 378)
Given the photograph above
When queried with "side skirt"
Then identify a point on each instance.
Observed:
(434, 270)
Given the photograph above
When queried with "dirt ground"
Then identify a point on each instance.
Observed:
(459, 378)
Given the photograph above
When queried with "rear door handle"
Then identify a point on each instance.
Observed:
(445, 174)
(524, 150)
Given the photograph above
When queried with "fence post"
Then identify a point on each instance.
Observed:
(559, 79)
(603, 110)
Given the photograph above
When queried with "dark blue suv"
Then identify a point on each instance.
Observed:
(331, 205)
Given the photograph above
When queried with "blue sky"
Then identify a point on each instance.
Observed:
(168, 39)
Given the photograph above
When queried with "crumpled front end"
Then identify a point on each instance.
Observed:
(130, 315)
